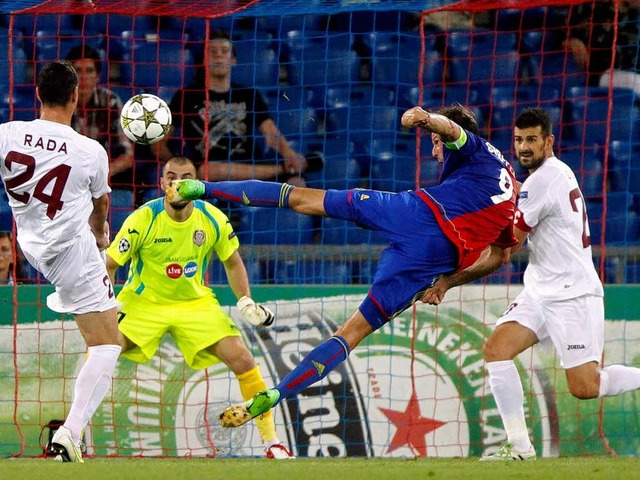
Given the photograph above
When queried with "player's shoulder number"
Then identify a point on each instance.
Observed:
(58, 175)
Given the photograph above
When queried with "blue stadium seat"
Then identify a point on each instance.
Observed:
(114, 24)
(56, 45)
(279, 26)
(18, 59)
(320, 59)
(122, 204)
(370, 21)
(361, 112)
(507, 102)
(341, 171)
(624, 170)
(292, 111)
(590, 114)
(262, 225)
(438, 97)
(30, 24)
(622, 224)
(482, 58)
(340, 232)
(587, 164)
(24, 104)
(159, 63)
(395, 58)
(528, 19)
(256, 65)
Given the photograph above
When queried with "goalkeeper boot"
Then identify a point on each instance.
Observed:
(65, 448)
(184, 190)
(237, 415)
(508, 452)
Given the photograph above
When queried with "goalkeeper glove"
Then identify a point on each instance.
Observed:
(255, 314)
(185, 189)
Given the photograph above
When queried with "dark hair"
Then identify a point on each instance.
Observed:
(461, 115)
(80, 52)
(56, 83)
(535, 117)
(180, 161)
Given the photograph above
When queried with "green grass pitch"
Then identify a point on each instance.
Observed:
(578, 468)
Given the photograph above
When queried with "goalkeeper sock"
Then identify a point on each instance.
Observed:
(315, 366)
(506, 387)
(251, 382)
(250, 192)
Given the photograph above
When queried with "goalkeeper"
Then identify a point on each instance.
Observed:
(431, 232)
(169, 245)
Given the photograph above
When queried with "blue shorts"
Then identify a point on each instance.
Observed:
(419, 252)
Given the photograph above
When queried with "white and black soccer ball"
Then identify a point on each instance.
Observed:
(145, 119)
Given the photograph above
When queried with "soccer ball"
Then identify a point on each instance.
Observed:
(145, 119)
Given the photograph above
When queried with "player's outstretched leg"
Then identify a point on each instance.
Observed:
(313, 368)
(508, 452)
(262, 402)
(255, 193)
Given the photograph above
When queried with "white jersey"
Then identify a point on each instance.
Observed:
(552, 210)
(50, 173)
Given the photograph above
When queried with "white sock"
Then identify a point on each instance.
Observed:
(617, 379)
(506, 387)
(91, 386)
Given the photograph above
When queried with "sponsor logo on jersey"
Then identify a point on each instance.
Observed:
(162, 240)
(190, 269)
(123, 245)
(199, 237)
(576, 347)
(131, 231)
(524, 194)
(174, 270)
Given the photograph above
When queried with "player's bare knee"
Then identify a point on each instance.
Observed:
(494, 351)
(584, 391)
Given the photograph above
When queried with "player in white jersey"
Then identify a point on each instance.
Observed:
(562, 297)
(56, 181)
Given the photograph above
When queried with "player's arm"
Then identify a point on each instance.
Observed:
(238, 279)
(98, 221)
(448, 130)
(490, 260)
(521, 236)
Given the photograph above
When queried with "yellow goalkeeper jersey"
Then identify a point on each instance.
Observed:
(169, 259)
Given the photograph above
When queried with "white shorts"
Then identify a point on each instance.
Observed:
(575, 326)
(80, 277)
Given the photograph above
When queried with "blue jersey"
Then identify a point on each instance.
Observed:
(475, 198)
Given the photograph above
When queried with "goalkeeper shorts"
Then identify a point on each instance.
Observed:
(194, 325)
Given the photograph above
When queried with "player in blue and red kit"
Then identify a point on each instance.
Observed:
(431, 232)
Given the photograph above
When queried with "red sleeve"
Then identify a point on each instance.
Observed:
(519, 222)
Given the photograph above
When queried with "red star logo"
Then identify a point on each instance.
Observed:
(411, 427)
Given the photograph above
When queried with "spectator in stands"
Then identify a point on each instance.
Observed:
(591, 37)
(98, 115)
(235, 115)
(6, 260)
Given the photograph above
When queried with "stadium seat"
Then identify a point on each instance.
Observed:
(320, 59)
(114, 24)
(261, 225)
(587, 164)
(5, 211)
(341, 171)
(590, 114)
(23, 103)
(122, 204)
(370, 21)
(438, 97)
(624, 170)
(157, 63)
(279, 26)
(30, 24)
(256, 65)
(395, 58)
(291, 109)
(18, 59)
(482, 58)
(55, 45)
